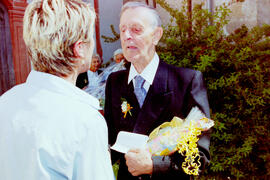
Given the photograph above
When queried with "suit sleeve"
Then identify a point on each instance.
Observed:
(199, 98)
(82, 80)
(167, 166)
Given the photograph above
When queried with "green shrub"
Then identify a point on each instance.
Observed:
(236, 69)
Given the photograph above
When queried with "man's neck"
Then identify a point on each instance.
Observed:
(141, 65)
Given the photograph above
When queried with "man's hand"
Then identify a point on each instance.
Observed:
(139, 162)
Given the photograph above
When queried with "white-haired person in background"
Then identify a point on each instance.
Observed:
(49, 128)
(97, 78)
(90, 77)
(118, 55)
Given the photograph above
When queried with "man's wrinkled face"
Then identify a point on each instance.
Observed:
(137, 34)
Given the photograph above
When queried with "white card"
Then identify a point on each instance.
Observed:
(127, 140)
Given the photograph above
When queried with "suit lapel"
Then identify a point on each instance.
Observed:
(155, 101)
(128, 92)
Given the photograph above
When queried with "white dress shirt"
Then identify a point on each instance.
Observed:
(148, 73)
(52, 130)
(92, 78)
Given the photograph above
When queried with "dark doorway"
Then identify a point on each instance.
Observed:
(7, 76)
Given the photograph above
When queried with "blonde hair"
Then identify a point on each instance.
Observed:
(50, 30)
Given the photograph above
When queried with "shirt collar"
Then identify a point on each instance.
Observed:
(91, 72)
(61, 86)
(148, 73)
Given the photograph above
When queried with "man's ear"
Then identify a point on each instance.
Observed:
(78, 49)
(157, 35)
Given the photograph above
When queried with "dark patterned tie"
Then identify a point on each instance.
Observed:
(139, 91)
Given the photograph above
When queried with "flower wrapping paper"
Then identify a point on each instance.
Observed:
(182, 136)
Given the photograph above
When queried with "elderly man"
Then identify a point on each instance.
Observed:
(156, 92)
(49, 128)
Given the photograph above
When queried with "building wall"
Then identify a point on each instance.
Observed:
(263, 14)
(7, 75)
(242, 13)
(249, 12)
(21, 63)
(109, 13)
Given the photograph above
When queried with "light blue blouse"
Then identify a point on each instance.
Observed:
(52, 130)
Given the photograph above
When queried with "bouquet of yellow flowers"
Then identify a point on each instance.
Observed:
(182, 136)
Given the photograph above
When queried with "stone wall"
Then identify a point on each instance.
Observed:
(263, 15)
(249, 12)
(246, 12)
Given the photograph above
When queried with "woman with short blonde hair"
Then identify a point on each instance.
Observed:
(49, 128)
(50, 35)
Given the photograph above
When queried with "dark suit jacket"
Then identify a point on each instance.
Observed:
(173, 93)
(82, 79)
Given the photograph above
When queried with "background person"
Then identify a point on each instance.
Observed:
(95, 64)
(93, 73)
(49, 128)
(118, 55)
(89, 78)
(156, 91)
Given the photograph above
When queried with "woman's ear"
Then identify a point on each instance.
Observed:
(78, 49)
(157, 35)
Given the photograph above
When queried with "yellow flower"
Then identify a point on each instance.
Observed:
(187, 146)
(125, 106)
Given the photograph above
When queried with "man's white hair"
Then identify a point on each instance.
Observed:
(156, 22)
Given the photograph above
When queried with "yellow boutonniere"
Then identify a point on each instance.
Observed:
(125, 106)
